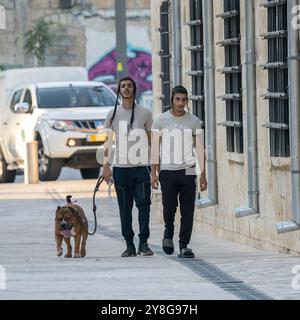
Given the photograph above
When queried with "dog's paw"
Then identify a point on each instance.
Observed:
(77, 255)
(68, 255)
(83, 253)
(60, 252)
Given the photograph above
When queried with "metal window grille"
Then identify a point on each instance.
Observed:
(233, 76)
(197, 59)
(277, 68)
(165, 56)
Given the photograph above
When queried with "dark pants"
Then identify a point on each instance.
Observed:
(174, 184)
(133, 184)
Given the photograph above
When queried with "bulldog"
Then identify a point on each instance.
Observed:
(70, 221)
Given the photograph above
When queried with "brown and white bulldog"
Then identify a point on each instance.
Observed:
(70, 221)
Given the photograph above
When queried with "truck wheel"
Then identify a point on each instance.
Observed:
(6, 176)
(91, 173)
(49, 169)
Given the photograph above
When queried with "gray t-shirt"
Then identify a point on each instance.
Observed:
(177, 140)
(132, 147)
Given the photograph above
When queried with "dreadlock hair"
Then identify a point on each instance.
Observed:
(178, 89)
(117, 100)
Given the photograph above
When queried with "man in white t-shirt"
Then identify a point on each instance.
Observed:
(174, 135)
(131, 125)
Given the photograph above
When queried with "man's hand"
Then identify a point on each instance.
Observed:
(203, 182)
(154, 181)
(107, 173)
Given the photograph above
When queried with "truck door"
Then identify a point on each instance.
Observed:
(23, 127)
(9, 124)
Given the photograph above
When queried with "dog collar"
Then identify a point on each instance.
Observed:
(69, 203)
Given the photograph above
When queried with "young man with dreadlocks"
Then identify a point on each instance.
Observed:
(175, 133)
(130, 122)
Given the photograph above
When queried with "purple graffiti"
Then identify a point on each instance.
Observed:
(139, 68)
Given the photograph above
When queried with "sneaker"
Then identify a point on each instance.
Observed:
(168, 246)
(186, 253)
(129, 252)
(144, 250)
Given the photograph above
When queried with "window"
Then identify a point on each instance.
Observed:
(277, 69)
(64, 97)
(16, 99)
(233, 76)
(165, 55)
(196, 48)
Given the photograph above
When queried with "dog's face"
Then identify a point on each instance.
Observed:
(65, 218)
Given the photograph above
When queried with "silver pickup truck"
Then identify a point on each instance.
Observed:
(65, 118)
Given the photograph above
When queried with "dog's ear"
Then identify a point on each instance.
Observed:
(58, 215)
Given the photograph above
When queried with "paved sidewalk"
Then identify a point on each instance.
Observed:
(223, 270)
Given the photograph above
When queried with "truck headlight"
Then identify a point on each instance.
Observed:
(61, 125)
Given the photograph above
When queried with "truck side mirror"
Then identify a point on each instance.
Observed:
(22, 107)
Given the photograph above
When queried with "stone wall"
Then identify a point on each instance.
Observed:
(274, 173)
(68, 26)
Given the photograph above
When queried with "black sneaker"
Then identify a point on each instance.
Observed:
(129, 252)
(144, 250)
(168, 246)
(186, 253)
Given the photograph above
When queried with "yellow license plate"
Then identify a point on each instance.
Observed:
(97, 137)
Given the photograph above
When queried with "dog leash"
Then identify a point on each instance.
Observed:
(98, 184)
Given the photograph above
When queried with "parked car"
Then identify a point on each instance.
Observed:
(64, 118)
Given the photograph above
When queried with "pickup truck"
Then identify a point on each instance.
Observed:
(64, 117)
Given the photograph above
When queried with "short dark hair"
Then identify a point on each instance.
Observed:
(179, 89)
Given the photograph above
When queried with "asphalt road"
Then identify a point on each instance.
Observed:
(66, 174)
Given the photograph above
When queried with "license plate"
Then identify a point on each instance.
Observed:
(97, 137)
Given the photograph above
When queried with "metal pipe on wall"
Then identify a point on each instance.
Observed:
(176, 43)
(294, 104)
(250, 71)
(209, 88)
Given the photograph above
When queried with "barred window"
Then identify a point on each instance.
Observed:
(277, 68)
(197, 60)
(165, 55)
(233, 76)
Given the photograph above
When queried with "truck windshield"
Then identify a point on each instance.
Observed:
(75, 96)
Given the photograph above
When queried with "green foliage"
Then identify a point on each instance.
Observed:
(38, 39)
(4, 67)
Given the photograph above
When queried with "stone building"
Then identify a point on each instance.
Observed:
(84, 35)
(243, 79)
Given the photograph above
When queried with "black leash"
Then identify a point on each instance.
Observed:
(98, 184)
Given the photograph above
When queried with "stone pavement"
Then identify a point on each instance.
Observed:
(222, 270)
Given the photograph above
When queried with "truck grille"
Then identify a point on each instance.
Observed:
(88, 125)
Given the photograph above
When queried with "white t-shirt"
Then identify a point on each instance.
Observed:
(132, 147)
(177, 140)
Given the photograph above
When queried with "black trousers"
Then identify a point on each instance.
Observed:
(176, 184)
(133, 184)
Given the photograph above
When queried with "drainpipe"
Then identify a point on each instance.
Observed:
(294, 101)
(176, 43)
(250, 69)
(209, 88)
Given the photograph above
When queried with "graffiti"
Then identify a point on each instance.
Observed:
(139, 68)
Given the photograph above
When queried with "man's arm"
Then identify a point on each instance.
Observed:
(155, 159)
(200, 152)
(107, 151)
(107, 155)
(149, 137)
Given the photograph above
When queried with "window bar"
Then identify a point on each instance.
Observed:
(165, 56)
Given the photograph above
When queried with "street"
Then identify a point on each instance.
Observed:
(222, 270)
